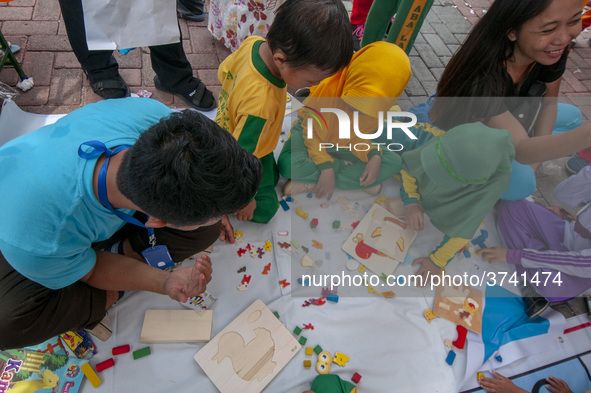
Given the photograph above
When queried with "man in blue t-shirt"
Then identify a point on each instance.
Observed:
(74, 184)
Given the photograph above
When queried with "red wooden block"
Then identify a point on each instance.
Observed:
(462, 331)
(120, 349)
(105, 365)
(356, 378)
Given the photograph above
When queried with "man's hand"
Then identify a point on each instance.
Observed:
(371, 171)
(426, 268)
(500, 385)
(493, 254)
(246, 213)
(227, 233)
(415, 217)
(325, 185)
(186, 282)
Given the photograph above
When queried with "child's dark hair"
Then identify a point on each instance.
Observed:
(187, 170)
(313, 32)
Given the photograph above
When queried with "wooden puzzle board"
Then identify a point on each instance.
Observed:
(248, 353)
(461, 305)
(389, 234)
(176, 326)
(357, 244)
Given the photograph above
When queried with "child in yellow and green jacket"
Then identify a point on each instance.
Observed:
(255, 78)
(370, 84)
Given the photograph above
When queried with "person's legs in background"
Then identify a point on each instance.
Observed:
(192, 10)
(409, 16)
(100, 67)
(174, 75)
(358, 17)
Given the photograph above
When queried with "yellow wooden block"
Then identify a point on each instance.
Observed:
(91, 375)
(301, 213)
(307, 363)
(309, 350)
(340, 359)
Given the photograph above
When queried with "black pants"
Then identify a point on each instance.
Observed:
(31, 313)
(168, 61)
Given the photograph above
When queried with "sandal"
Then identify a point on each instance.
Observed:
(114, 87)
(199, 98)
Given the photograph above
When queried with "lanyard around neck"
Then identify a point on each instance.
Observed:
(98, 148)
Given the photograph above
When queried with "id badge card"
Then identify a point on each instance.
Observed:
(158, 256)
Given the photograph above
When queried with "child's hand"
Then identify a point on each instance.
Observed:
(493, 254)
(185, 282)
(414, 217)
(426, 269)
(371, 171)
(500, 385)
(325, 185)
(246, 213)
(227, 233)
(557, 385)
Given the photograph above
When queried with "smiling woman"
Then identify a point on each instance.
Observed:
(515, 55)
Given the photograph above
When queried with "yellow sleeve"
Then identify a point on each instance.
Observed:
(448, 248)
(317, 147)
(408, 189)
(223, 69)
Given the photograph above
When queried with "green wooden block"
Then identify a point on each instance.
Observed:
(140, 353)
(297, 330)
(336, 224)
(276, 314)
(317, 349)
(303, 340)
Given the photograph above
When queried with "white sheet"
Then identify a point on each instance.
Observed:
(388, 341)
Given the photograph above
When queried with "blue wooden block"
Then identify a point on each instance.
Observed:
(284, 204)
(451, 356)
(333, 298)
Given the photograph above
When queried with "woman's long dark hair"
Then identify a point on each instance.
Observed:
(477, 69)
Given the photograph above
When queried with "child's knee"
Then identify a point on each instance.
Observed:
(568, 118)
(523, 182)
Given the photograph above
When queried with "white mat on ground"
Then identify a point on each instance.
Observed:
(388, 341)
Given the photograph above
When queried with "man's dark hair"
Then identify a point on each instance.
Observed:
(187, 170)
(313, 33)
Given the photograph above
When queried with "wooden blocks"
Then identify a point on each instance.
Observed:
(91, 375)
(307, 363)
(176, 326)
(140, 353)
(105, 365)
(120, 349)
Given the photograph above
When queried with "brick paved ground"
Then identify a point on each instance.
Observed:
(61, 87)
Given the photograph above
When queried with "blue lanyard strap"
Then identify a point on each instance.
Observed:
(98, 148)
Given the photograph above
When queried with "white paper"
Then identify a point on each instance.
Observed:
(123, 24)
